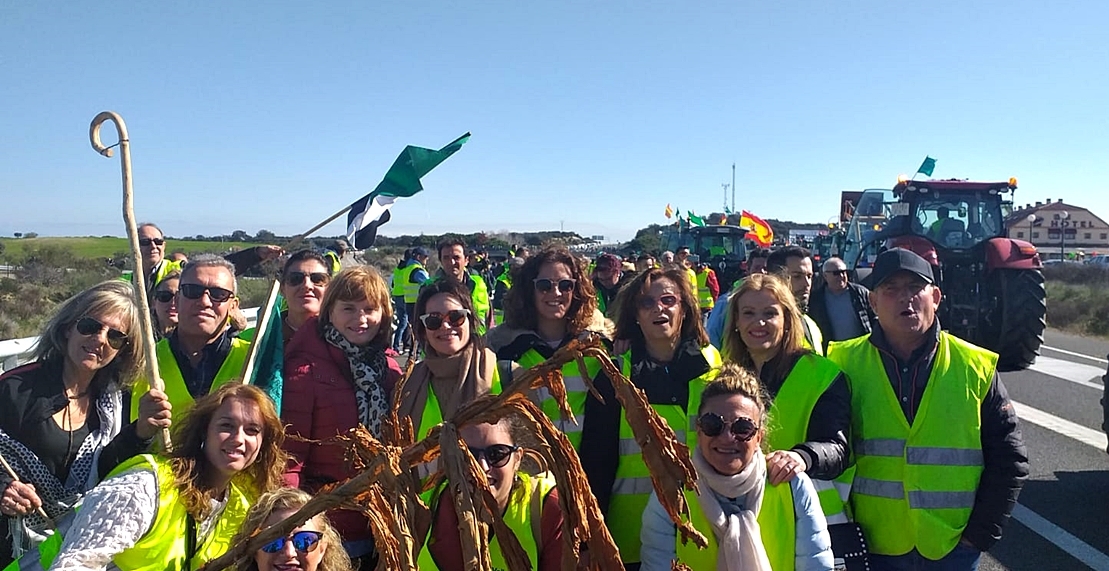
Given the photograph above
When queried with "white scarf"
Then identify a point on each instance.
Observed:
(737, 535)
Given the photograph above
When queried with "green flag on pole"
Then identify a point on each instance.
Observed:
(927, 166)
(694, 219)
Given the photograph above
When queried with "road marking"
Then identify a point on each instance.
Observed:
(1073, 354)
(1077, 548)
(1094, 438)
(1076, 373)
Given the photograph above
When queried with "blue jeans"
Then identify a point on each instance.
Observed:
(402, 323)
(962, 558)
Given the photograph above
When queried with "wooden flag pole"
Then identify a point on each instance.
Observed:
(133, 236)
(301, 237)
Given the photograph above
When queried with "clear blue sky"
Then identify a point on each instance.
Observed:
(250, 115)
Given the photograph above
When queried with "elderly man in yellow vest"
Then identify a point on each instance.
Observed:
(202, 353)
(939, 456)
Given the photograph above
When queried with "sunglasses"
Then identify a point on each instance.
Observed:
(712, 425)
(454, 318)
(303, 541)
(648, 302)
(294, 279)
(496, 455)
(88, 327)
(147, 242)
(196, 291)
(544, 285)
(164, 295)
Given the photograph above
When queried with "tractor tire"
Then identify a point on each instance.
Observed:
(1020, 319)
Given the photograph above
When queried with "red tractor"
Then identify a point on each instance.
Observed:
(993, 287)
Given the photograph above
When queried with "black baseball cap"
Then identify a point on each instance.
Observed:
(899, 260)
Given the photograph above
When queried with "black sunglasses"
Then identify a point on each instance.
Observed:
(303, 541)
(164, 295)
(496, 455)
(293, 279)
(216, 294)
(88, 327)
(648, 302)
(742, 428)
(454, 318)
(150, 241)
(545, 285)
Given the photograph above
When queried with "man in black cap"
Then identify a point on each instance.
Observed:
(939, 456)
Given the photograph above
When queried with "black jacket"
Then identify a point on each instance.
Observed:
(1003, 453)
(825, 449)
(860, 299)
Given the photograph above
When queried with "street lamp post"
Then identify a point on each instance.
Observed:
(1063, 235)
(1031, 220)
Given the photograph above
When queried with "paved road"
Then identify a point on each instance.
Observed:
(1062, 520)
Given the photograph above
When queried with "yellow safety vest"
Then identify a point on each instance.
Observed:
(632, 487)
(162, 270)
(811, 328)
(576, 392)
(789, 425)
(777, 529)
(176, 389)
(165, 545)
(433, 414)
(411, 290)
(521, 515)
(397, 289)
(498, 314)
(704, 294)
(915, 485)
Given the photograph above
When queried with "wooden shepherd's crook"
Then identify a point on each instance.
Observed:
(133, 237)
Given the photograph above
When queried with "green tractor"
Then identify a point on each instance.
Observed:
(993, 286)
(722, 247)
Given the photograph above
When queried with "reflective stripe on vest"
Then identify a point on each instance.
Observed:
(777, 528)
(704, 294)
(814, 339)
(518, 517)
(632, 487)
(915, 485)
(576, 392)
(176, 389)
(164, 545)
(790, 413)
(411, 290)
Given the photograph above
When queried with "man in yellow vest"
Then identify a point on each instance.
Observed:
(202, 353)
(794, 264)
(939, 455)
(608, 278)
(156, 265)
(453, 265)
(396, 291)
(708, 288)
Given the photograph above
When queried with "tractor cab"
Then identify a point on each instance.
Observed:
(722, 247)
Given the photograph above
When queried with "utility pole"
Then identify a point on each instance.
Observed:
(733, 187)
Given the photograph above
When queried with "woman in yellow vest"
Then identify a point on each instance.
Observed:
(750, 525)
(180, 510)
(312, 546)
(164, 305)
(456, 368)
(811, 401)
(552, 302)
(671, 360)
(528, 504)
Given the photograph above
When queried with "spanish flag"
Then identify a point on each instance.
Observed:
(669, 212)
(761, 232)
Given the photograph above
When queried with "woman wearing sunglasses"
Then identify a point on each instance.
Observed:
(550, 303)
(304, 279)
(311, 546)
(63, 416)
(338, 376)
(671, 360)
(179, 510)
(164, 304)
(528, 504)
(749, 524)
(456, 368)
(811, 402)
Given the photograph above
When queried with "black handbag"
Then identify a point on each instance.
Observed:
(849, 547)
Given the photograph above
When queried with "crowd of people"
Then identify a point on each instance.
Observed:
(835, 428)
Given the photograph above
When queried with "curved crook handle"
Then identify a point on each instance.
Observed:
(94, 131)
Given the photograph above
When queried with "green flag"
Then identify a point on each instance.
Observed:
(927, 166)
(694, 219)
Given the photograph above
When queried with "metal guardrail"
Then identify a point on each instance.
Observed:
(15, 352)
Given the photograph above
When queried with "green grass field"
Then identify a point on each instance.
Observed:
(90, 247)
